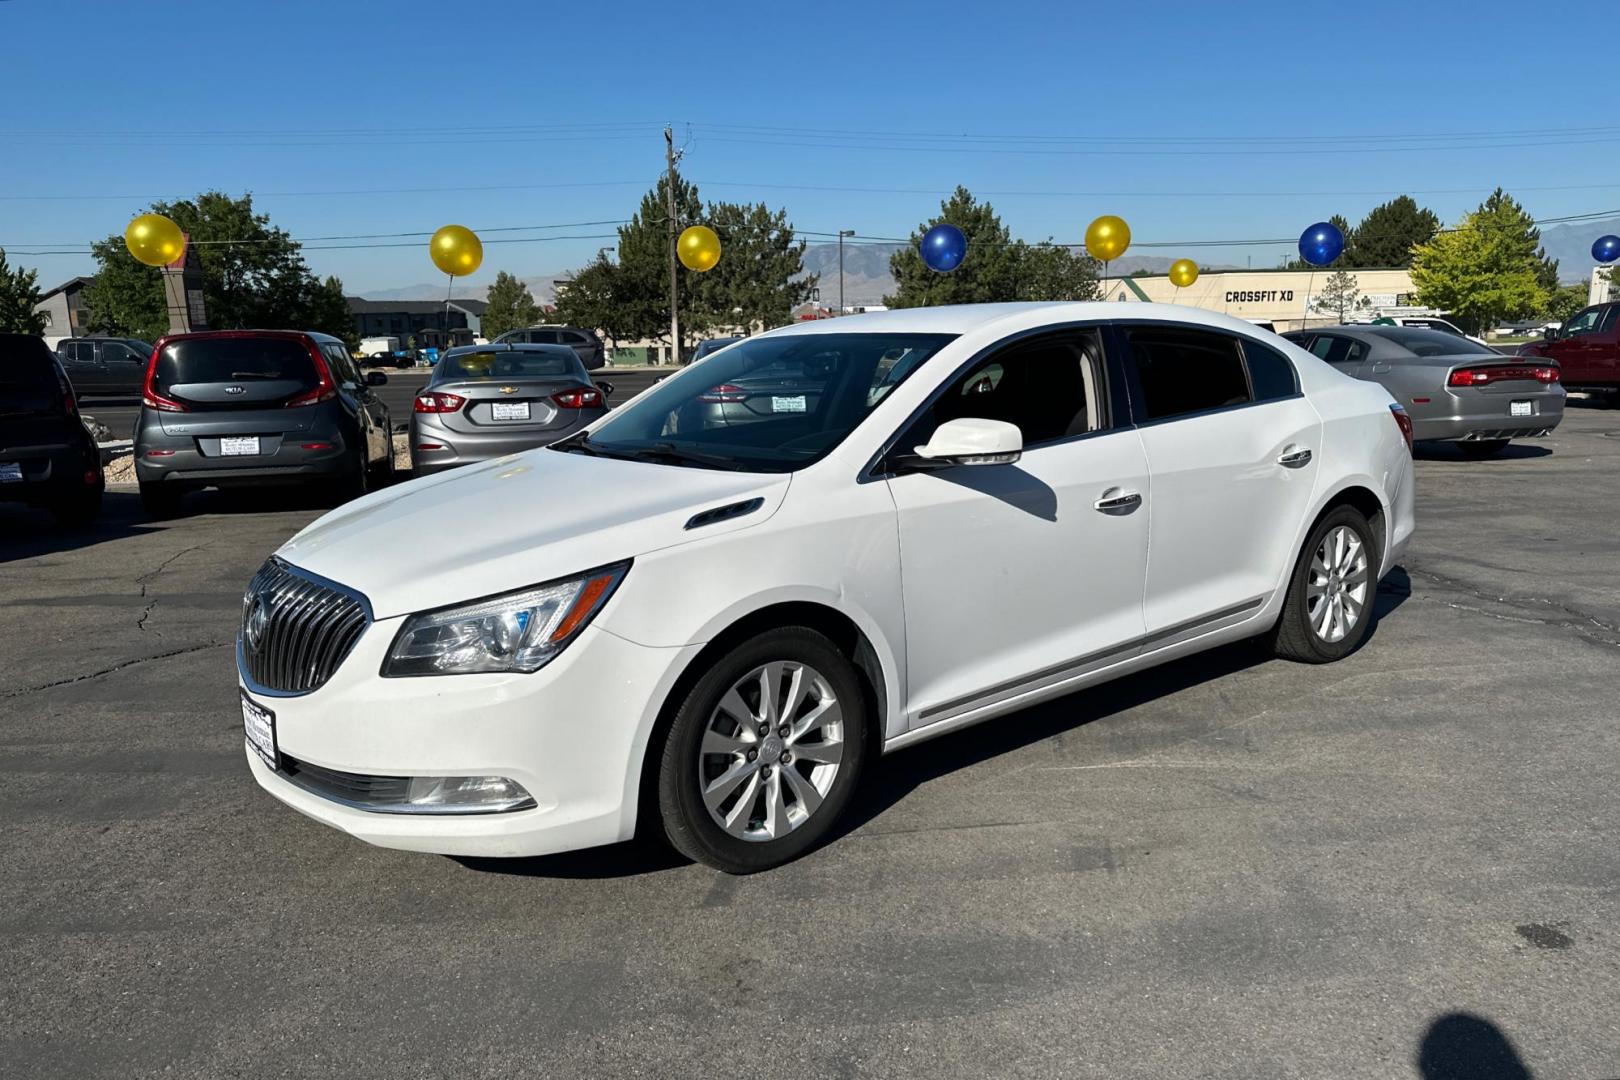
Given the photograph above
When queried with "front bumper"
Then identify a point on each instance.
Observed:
(573, 734)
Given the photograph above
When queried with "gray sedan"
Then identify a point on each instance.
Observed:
(1454, 389)
(485, 401)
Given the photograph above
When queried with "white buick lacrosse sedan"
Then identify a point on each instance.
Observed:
(711, 611)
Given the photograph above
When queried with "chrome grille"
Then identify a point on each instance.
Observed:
(296, 628)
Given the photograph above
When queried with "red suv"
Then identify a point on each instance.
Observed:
(1587, 348)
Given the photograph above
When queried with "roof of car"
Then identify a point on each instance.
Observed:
(316, 334)
(511, 346)
(964, 318)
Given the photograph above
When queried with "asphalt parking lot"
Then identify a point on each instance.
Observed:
(1229, 867)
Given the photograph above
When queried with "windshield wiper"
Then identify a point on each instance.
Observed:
(670, 452)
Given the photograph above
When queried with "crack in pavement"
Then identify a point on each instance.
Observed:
(116, 667)
(162, 566)
(1584, 623)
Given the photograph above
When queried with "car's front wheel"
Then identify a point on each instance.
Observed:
(1329, 605)
(1482, 448)
(764, 753)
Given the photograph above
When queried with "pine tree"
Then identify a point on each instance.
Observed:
(1338, 294)
(511, 307)
(1386, 236)
(1502, 212)
(19, 295)
(989, 272)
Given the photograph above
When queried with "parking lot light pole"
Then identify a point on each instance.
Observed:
(841, 234)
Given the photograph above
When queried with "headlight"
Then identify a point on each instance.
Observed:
(520, 631)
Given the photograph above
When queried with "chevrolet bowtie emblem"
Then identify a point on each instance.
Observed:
(509, 389)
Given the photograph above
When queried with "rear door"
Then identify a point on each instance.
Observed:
(1231, 446)
(1345, 353)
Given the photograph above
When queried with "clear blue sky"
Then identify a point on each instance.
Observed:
(107, 98)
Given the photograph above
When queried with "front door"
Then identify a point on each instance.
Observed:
(1014, 578)
(1231, 446)
(1579, 348)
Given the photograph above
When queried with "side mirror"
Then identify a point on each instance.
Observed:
(1550, 334)
(605, 386)
(973, 441)
(376, 378)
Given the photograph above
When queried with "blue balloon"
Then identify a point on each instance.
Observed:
(943, 248)
(1606, 249)
(1320, 244)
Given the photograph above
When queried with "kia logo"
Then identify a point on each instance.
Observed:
(236, 389)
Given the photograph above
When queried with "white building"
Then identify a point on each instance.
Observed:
(1287, 299)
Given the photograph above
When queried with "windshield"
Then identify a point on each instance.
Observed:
(771, 404)
(507, 365)
(1421, 342)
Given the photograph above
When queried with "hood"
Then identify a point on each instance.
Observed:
(490, 528)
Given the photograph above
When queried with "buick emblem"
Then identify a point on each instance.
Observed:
(236, 389)
(257, 621)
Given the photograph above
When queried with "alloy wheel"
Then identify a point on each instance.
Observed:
(1336, 589)
(771, 750)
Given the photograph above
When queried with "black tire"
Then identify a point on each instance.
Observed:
(686, 817)
(1482, 448)
(79, 509)
(160, 502)
(1294, 637)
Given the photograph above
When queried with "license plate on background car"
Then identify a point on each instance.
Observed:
(260, 725)
(10, 472)
(238, 446)
(788, 404)
(509, 410)
(1519, 408)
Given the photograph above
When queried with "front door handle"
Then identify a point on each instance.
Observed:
(1115, 501)
(1295, 459)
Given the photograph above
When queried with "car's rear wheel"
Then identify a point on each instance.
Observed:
(764, 753)
(159, 501)
(1482, 448)
(1330, 596)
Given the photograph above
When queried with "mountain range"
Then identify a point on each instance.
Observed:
(1571, 245)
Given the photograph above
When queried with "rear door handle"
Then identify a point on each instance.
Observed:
(1121, 502)
(1380, 369)
(1295, 459)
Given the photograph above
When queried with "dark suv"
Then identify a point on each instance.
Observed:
(47, 458)
(583, 342)
(234, 408)
(105, 366)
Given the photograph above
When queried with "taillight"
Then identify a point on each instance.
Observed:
(1404, 422)
(437, 401)
(1484, 376)
(584, 398)
(725, 393)
(325, 388)
(149, 395)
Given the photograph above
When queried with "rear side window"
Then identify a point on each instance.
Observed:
(1270, 374)
(234, 360)
(27, 375)
(1186, 371)
(1341, 352)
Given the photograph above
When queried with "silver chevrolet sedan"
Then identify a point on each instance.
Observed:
(485, 401)
(1454, 389)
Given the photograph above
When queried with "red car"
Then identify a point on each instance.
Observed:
(1587, 348)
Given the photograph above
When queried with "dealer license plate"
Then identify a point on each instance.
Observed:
(260, 725)
(788, 404)
(1519, 408)
(509, 410)
(10, 472)
(239, 446)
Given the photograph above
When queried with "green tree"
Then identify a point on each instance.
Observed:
(592, 298)
(989, 273)
(1480, 271)
(1503, 213)
(760, 276)
(259, 279)
(1565, 301)
(1386, 236)
(19, 295)
(328, 311)
(641, 277)
(1339, 293)
(511, 307)
(1048, 271)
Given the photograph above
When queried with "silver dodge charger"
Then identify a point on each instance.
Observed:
(485, 401)
(1454, 389)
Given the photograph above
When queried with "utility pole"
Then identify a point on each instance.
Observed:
(841, 234)
(670, 157)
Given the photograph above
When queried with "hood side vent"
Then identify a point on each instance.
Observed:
(724, 513)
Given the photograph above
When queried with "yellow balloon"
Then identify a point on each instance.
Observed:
(154, 240)
(456, 250)
(1183, 272)
(698, 248)
(1107, 238)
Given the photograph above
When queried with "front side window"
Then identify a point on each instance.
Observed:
(1047, 387)
(1186, 371)
(768, 404)
(1585, 322)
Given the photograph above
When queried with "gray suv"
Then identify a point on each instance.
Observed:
(583, 342)
(236, 408)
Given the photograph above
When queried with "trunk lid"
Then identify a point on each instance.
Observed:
(520, 404)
